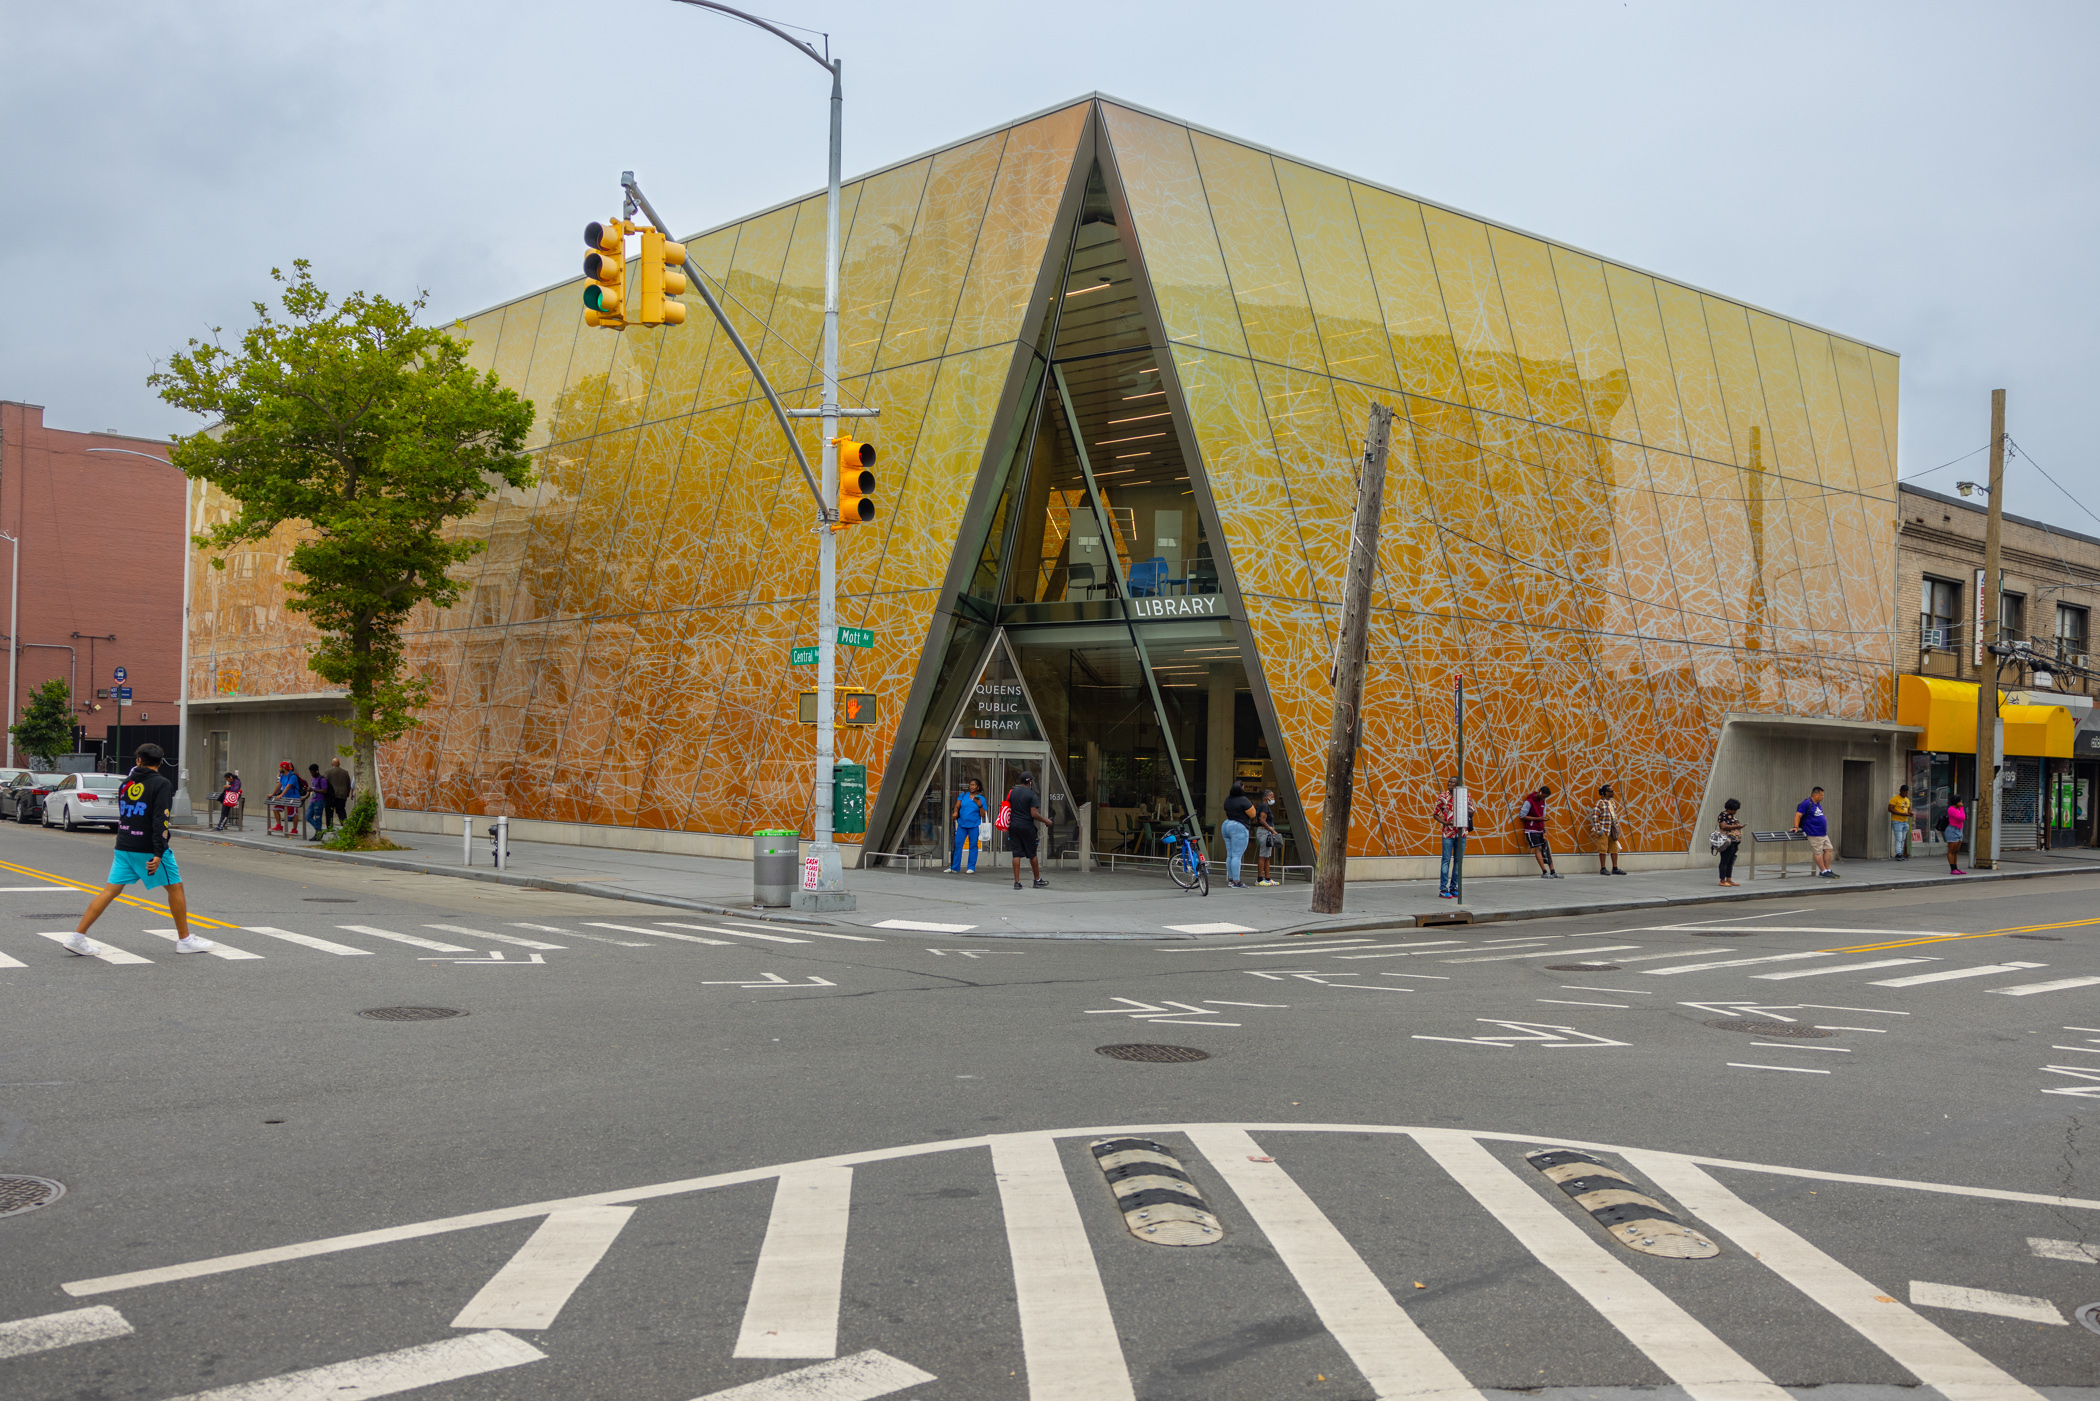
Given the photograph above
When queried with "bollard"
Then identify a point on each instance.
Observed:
(466, 839)
(499, 841)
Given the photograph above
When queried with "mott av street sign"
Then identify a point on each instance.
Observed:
(847, 637)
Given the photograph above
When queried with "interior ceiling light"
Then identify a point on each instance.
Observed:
(1135, 438)
(1153, 395)
(1126, 456)
(1140, 418)
(1080, 292)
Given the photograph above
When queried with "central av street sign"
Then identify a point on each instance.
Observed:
(803, 656)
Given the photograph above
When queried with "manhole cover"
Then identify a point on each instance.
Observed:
(410, 1014)
(2045, 938)
(20, 1193)
(328, 900)
(1796, 1030)
(1582, 968)
(1141, 1051)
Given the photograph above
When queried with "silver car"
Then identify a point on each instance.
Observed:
(83, 800)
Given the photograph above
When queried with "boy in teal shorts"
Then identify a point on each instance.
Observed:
(142, 853)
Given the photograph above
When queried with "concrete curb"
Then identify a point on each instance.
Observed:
(1605, 907)
(1301, 930)
(432, 868)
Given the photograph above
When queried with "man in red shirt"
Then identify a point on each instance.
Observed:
(1533, 817)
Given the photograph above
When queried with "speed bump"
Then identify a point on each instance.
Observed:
(1638, 1222)
(1161, 1203)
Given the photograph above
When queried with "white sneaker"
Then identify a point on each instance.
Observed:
(194, 944)
(78, 943)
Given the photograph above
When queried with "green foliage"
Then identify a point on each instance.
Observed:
(372, 434)
(46, 726)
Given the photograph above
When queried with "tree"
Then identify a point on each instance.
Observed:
(373, 434)
(46, 727)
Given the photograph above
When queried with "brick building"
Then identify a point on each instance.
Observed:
(2049, 595)
(102, 545)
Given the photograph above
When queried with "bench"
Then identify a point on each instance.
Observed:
(1758, 839)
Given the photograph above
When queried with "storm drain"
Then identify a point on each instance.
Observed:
(19, 1193)
(1582, 968)
(1796, 1030)
(1161, 1204)
(1638, 1222)
(1139, 1050)
(410, 1014)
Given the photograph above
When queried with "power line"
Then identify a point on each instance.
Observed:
(1945, 465)
(2022, 452)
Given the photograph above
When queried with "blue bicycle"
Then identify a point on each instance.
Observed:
(1185, 859)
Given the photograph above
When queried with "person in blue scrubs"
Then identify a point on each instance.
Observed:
(968, 813)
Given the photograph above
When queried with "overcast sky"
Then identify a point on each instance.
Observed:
(1920, 176)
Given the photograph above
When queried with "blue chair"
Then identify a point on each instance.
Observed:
(1148, 577)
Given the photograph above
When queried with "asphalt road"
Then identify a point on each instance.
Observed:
(690, 1165)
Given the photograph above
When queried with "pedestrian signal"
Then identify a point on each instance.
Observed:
(806, 708)
(856, 482)
(856, 708)
(605, 298)
(661, 280)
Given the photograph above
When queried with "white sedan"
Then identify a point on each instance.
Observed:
(83, 800)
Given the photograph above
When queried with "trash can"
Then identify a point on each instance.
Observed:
(775, 865)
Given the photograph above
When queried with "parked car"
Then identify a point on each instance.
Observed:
(83, 800)
(22, 799)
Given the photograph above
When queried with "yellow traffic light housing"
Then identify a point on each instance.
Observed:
(661, 280)
(856, 482)
(605, 299)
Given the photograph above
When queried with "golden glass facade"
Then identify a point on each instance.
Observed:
(1619, 506)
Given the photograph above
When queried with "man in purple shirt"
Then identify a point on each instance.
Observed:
(1811, 823)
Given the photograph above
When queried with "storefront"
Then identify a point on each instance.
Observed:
(2038, 744)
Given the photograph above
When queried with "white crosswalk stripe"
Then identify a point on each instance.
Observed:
(218, 948)
(105, 952)
(2059, 985)
(324, 945)
(1948, 975)
(415, 939)
(739, 933)
(794, 1306)
(517, 939)
(1068, 1335)
(1824, 970)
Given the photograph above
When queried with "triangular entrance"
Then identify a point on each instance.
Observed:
(1088, 553)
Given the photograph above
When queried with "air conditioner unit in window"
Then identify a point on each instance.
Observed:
(1930, 639)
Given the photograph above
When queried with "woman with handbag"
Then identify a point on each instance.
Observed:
(1957, 817)
(1604, 830)
(1728, 838)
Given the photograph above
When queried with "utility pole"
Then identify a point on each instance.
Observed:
(14, 645)
(1348, 676)
(1983, 827)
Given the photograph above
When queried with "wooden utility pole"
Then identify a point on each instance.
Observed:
(1984, 801)
(1348, 676)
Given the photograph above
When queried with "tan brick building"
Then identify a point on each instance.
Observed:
(102, 545)
(2050, 595)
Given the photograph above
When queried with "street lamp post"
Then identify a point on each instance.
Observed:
(181, 807)
(14, 645)
(829, 889)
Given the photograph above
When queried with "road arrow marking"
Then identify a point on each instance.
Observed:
(768, 980)
(1561, 1037)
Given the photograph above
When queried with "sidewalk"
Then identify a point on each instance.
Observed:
(1126, 904)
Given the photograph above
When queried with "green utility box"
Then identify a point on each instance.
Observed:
(849, 798)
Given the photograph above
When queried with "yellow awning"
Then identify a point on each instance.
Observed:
(1946, 711)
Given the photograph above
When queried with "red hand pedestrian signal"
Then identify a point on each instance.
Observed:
(857, 708)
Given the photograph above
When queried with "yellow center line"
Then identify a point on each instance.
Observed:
(1948, 938)
(94, 888)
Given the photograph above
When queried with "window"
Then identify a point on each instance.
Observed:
(2071, 628)
(1940, 606)
(2012, 615)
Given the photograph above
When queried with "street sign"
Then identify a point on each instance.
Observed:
(123, 692)
(121, 674)
(856, 637)
(803, 656)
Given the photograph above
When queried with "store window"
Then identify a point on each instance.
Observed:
(1941, 607)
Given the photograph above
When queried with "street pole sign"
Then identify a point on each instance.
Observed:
(121, 674)
(849, 637)
(803, 656)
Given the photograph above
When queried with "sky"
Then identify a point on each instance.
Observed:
(1921, 176)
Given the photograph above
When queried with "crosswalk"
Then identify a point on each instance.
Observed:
(1476, 1205)
(111, 936)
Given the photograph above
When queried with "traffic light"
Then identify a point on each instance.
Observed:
(605, 299)
(856, 707)
(661, 280)
(856, 482)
